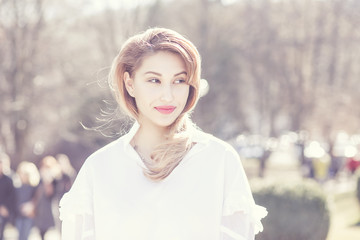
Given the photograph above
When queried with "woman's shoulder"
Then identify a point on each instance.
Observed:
(215, 144)
(212, 140)
(109, 151)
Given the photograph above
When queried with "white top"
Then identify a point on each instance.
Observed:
(206, 197)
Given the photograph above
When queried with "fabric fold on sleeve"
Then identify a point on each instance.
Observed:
(72, 205)
(241, 217)
(76, 211)
(236, 202)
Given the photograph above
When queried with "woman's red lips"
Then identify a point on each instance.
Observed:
(165, 109)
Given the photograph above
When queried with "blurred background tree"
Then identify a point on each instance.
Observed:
(272, 67)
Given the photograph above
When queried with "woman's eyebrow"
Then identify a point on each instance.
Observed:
(159, 74)
(151, 72)
(183, 72)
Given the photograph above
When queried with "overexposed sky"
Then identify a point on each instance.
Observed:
(97, 5)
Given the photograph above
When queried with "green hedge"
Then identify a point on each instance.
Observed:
(297, 211)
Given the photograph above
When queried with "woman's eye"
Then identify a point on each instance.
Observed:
(154, 80)
(179, 81)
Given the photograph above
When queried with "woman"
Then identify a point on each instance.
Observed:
(7, 194)
(29, 178)
(50, 172)
(165, 179)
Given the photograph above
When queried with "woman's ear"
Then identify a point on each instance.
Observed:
(129, 84)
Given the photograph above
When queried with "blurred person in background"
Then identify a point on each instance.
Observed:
(50, 173)
(26, 203)
(353, 163)
(321, 167)
(165, 179)
(7, 194)
(68, 175)
(63, 185)
(352, 157)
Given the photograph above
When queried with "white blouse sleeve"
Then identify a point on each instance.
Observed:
(76, 212)
(241, 216)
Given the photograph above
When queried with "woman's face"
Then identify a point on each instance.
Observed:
(160, 88)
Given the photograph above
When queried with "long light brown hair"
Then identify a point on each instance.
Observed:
(169, 154)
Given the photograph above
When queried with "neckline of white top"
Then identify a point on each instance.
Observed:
(199, 138)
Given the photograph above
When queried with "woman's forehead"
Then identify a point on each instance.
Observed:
(162, 62)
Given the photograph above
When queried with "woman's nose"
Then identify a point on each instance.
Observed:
(167, 93)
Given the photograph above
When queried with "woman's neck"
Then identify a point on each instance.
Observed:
(148, 137)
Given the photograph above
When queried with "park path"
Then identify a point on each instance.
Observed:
(345, 212)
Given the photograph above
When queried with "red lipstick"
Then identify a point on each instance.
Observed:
(165, 109)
